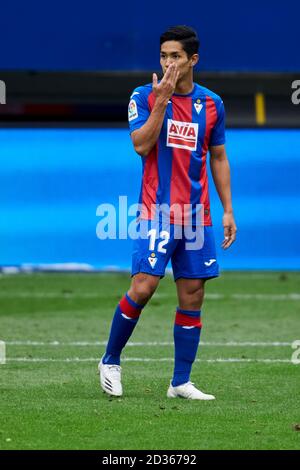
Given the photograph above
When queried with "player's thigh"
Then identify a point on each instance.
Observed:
(152, 248)
(197, 259)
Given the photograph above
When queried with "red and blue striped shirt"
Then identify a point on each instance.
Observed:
(175, 171)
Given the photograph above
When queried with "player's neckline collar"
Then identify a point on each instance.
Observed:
(187, 94)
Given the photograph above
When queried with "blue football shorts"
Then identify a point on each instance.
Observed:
(191, 249)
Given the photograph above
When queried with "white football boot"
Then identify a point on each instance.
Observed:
(110, 379)
(188, 391)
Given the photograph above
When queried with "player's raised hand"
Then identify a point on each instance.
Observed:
(167, 85)
(229, 230)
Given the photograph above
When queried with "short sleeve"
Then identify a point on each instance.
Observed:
(138, 110)
(218, 133)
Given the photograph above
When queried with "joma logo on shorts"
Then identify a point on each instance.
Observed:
(182, 135)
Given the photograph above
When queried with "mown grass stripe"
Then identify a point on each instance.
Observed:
(147, 343)
(295, 296)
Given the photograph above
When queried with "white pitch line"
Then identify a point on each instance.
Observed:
(146, 359)
(147, 343)
(93, 295)
(290, 296)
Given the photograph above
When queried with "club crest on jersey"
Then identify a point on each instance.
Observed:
(198, 107)
(132, 110)
(182, 135)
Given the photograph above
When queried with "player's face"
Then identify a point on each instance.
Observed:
(172, 51)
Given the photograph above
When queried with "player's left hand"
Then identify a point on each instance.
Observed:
(229, 230)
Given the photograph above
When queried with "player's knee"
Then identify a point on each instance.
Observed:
(192, 299)
(142, 288)
(141, 293)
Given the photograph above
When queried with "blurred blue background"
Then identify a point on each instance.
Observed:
(261, 35)
(52, 180)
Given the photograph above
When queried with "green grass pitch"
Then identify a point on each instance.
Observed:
(55, 327)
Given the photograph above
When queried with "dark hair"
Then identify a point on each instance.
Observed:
(186, 35)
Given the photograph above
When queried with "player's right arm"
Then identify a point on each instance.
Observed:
(147, 135)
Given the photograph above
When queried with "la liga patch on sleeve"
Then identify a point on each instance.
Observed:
(132, 110)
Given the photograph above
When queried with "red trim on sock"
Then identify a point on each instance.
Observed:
(128, 309)
(186, 320)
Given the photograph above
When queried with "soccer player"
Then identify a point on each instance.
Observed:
(173, 124)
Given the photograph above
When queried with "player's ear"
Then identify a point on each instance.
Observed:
(194, 59)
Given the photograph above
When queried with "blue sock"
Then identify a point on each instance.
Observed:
(187, 329)
(125, 319)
